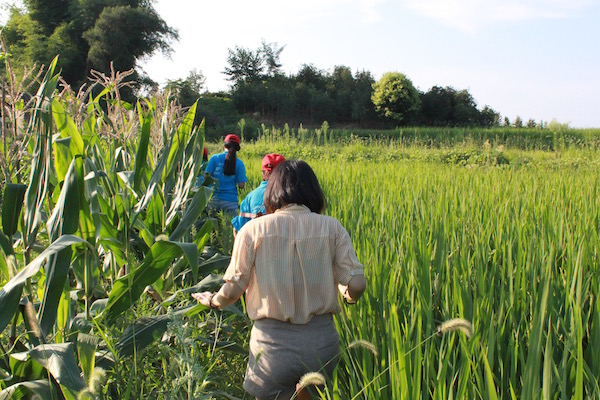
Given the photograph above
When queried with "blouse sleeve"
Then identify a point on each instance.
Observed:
(242, 260)
(345, 262)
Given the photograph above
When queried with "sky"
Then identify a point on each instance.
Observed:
(536, 59)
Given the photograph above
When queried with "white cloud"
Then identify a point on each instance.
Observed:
(471, 15)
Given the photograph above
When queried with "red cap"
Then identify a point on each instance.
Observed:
(272, 160)
(232, 138)
(205, 152)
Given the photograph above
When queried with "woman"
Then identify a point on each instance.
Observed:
(253, 204)
(231, 175)
(290, 263)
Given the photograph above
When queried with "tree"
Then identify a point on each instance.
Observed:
(465, 111)
(270, 53)
(395, 98)
(187, 90)
(342, 92)
(248, 66)
(362, 106)
(437, 106)
(518, 122)
(310, 75)
(489, 118)
(245, 65)
(88, 34)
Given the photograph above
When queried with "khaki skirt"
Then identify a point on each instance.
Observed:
(281, 352)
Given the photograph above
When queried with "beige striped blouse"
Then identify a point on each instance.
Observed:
(290, 263)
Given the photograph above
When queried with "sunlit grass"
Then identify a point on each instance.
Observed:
(513, 249)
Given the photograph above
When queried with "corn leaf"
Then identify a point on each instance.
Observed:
(41, 122)
(10, 294)
(12, 202)
(141, 163)
(64, 220)
(67, 128)
(41, 389)
(59, 360)
(127, 289)
(191, 214)
(86, 350)
(141, 333)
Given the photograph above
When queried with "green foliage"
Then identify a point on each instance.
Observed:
(497, 228)
(104, 216)
(246, 66)
(187, 90)
(220, 115)
(395, 98)
(91, 34)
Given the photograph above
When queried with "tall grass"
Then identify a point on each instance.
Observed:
(512, 248)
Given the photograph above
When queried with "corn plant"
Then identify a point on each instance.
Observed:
(99, 223)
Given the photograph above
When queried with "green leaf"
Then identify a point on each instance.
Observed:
(155, 181)
(141, 164)
(141, 333)
(86, 350)
(40, 388)
(67, 128)
(62, 157)
(548, 367)
(217, 262)
(10, 294)
(56, 276)
(191, 214)
(64, 220)
(208, 282)
(24, 368)
(40, 124)
(59, 360)
(127, 289)
(12, 202)
(9, 303)
(179, 141)
(186, 177)
(489, 380)
(531, 375)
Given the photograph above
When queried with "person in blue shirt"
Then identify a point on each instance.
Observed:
(253, 204)
(230, 173)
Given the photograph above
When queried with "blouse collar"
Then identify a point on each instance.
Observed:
(293, 208)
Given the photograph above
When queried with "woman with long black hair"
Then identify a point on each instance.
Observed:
(230, 173)
(291, 263)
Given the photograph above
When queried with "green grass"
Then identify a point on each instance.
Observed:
(512, 247)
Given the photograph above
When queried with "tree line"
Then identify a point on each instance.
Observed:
(108, 36)
(259, 88)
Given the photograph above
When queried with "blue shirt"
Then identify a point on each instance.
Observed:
(253, 204)
(227, 187)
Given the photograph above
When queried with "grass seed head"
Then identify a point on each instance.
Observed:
(456, 324)
(364, 344)
(310, 379)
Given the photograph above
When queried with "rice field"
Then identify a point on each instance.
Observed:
(513, 249)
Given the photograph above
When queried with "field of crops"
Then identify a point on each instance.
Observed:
(513, 250)
(481, 254)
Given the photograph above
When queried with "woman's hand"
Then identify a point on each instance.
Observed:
(344, 291)
(203, 298)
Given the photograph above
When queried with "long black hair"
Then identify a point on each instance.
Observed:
(230, 158)
(294, 182)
